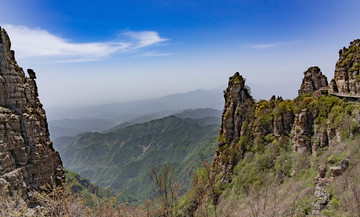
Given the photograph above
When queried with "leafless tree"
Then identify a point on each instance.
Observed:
(167, 188)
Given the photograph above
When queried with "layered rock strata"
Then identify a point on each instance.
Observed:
(27, 157)
(347, 71)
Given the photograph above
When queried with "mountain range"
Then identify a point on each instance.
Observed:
(70, 121)
(122, 156)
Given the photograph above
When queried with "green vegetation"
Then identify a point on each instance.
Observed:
(268, 176)
(122, 158)
(92, 193)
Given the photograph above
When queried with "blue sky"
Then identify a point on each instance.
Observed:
(91, 52)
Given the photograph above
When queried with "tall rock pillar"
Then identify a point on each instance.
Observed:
(27, 157)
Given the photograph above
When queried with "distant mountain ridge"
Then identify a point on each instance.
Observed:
(122, 112)
(203, 116)
(72, 127)
(122, 157)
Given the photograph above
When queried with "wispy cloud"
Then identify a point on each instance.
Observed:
(30, 43)
(154, 54)
(272, 45)
(145, 38)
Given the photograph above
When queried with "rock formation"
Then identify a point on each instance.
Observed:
(238, 106)
(259, 139)
(243, 123)
(238, 109)
(302, 131)
(313, 80)
(347, 70)
(27, 158)
(321, 182)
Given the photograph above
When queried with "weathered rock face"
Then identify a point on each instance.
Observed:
(302, 131)
(27, 158)
(347, 70)
(321, 182)
(238, 110)
(313, 80)
(245, 124)
(310, 124)
(239, 105)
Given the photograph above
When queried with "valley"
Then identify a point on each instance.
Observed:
(179, 108)
(121, 157)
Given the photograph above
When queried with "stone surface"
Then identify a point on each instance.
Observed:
(313, 80)
(321, 195)
(321, 182)
(347, 70)
(27, 158)
(239, 107)
(302, 131)
(338, 170)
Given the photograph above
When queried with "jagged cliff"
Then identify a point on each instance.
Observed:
(27, 157)
(245, 122)
(347, 70)
(277, 144)
(235, 123)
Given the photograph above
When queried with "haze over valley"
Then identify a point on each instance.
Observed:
(179, 108)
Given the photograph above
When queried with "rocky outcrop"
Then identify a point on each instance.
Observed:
(313, 80)
(321, 181)
(321, 195)
(302, 131)
(239, 105)
(347, 70)
(338, 170)
(27, 158)
(238, 110)
(253, 133)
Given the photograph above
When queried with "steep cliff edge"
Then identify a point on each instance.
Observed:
(236, 120)
(347, 70)
(27, 157)
(280, 157)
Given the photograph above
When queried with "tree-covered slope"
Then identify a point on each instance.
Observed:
(280, 157)
(122, 158)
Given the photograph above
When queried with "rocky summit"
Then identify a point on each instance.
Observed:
(284, 142)
(313, 80)
(238, 107)
(27, 157)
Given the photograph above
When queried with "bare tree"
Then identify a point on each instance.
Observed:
(348, 191)
(167, 188)
(264, 200)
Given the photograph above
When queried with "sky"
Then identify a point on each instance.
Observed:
(92, 52)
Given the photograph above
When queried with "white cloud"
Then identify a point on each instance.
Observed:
(145, 38)
(272, 45)
(263, 46)
(153, 54)
(30, 42)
